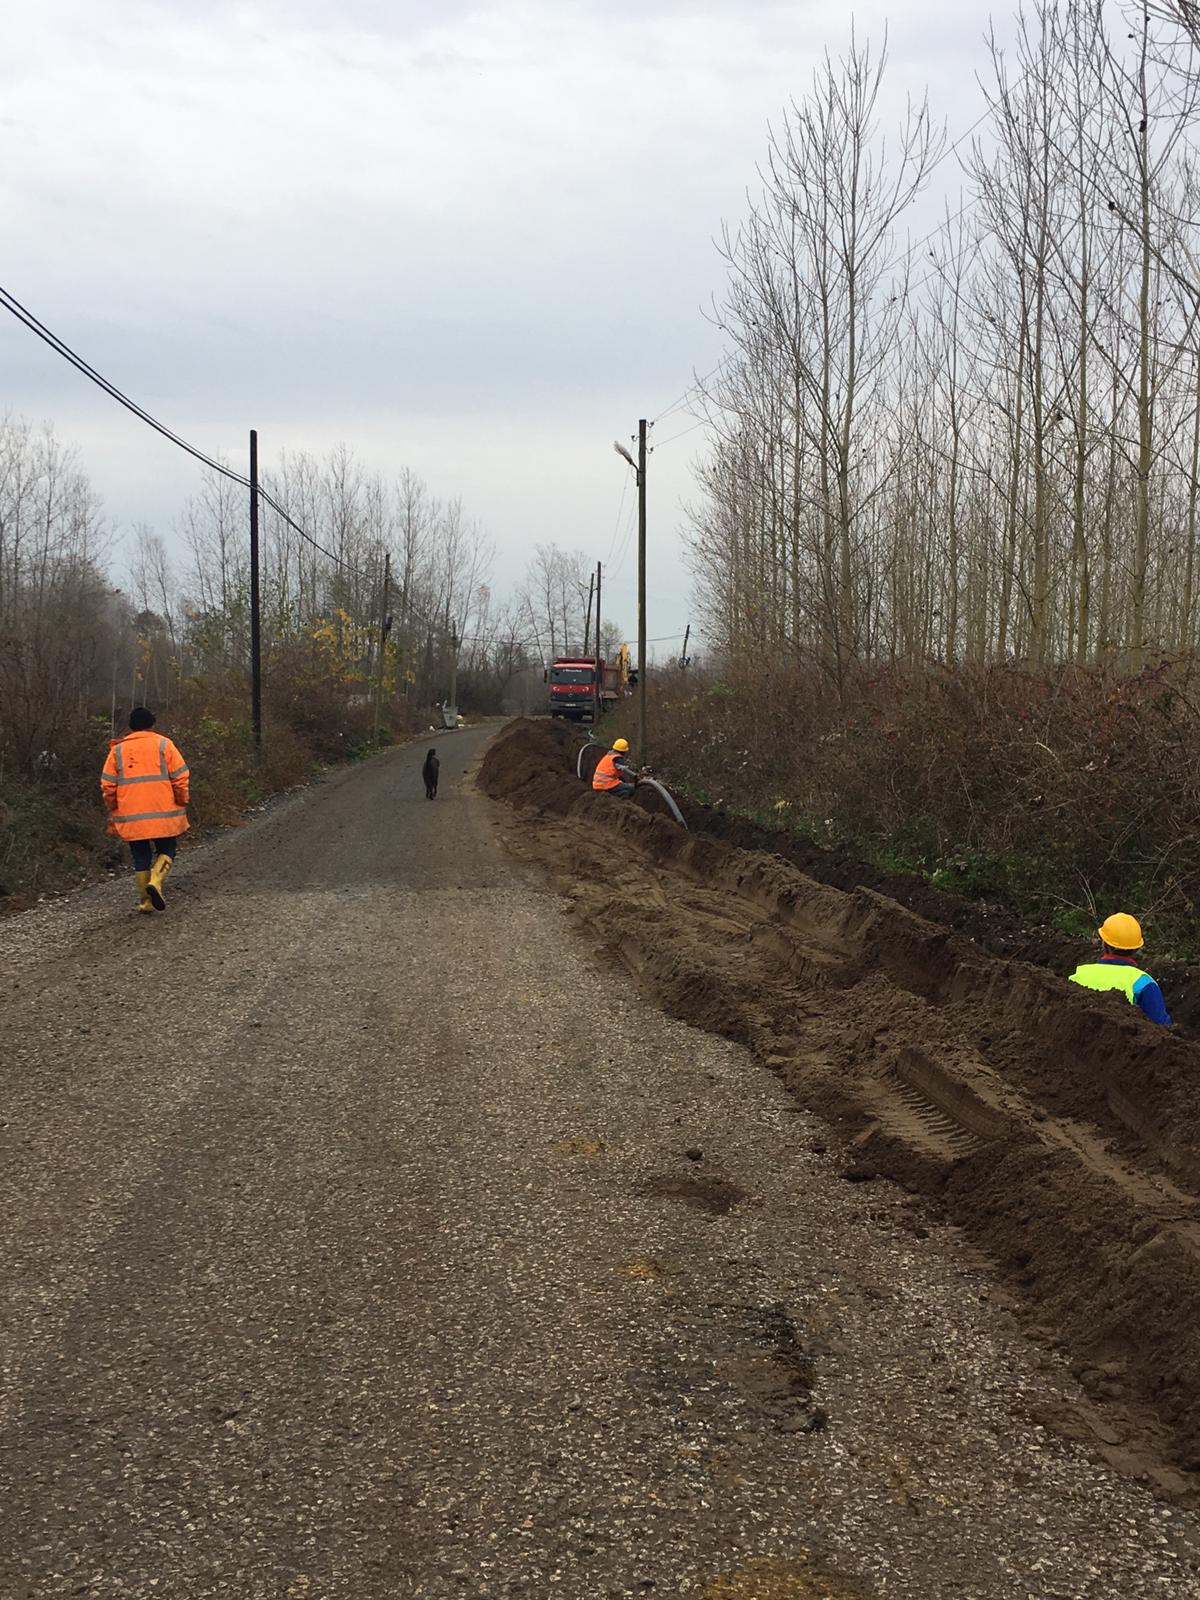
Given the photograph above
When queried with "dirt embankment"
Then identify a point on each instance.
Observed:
(993, 927)
(1059, 1129)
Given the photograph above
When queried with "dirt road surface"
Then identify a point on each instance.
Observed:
(367, 1236)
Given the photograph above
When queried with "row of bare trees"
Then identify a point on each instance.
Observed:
(323, 597)
(75, 645)
(985, 444)
(557, 607)
(60, 619)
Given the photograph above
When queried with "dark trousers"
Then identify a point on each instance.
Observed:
(145, 851)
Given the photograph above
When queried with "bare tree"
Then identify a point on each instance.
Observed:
(1003, 459)
(815, 324)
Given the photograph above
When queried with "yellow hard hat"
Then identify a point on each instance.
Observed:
(621, 744)
(1122, 932)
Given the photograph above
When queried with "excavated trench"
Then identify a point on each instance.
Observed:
(1058, 1128)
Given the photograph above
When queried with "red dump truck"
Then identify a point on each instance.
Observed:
(572, 681)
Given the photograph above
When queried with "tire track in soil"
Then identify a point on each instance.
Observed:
(1059, 1130)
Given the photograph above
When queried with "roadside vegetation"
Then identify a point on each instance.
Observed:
(1052, 797)
(90, 625)
(946, 547)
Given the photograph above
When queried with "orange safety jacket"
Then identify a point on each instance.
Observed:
(145, 787)
(608, 773)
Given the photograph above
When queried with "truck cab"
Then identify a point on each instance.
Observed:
(572, 683)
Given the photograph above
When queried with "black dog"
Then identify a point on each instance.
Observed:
(430, 774)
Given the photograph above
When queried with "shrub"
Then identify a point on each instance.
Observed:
(1059, 793)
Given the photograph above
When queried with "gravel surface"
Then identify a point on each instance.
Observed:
(365, 1237)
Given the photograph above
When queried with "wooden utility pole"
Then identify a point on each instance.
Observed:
(385, 623)
(643, 746)
(255, 601)
(401, 670)
(587, 627)
(598, 707)
(454, 667)
(683, 661)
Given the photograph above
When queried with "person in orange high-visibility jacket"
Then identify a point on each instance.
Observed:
(613, 774)
(145, 787)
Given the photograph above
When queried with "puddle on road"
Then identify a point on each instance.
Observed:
(742, 1365)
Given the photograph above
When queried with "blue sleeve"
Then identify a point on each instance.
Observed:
(1149, 997)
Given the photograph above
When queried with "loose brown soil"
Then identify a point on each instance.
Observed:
(1058, 1128)
(993, 927)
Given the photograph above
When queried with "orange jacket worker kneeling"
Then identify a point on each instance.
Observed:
(145, 787)
(613, 774)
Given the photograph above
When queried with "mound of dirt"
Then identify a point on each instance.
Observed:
(551, 747)
(992, 927)
(1057, 1127)
(531, 766)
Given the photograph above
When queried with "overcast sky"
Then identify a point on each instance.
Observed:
(474, 239)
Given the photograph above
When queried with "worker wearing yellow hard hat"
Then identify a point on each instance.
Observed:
(613, 774)
(1120, 937)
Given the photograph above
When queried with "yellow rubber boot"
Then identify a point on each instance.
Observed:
(158, 877)
(144, 901)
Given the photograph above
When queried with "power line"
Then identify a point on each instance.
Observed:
(338, 561)
(896, 261)
(932, 234)
(624, 551)
(24, 315)
(60, 347)
(978, 123)
(691, 389)
(703, 422)
(617, 524)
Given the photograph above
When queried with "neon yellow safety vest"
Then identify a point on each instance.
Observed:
(1104, 975)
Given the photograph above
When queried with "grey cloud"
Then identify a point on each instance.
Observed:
(492, 216)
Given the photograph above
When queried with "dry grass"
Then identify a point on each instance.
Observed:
(1056, 794)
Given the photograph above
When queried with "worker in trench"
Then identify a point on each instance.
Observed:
(613, 774)
(145, 787)
(1120, 939)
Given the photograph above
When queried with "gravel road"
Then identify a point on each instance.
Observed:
(366, 1237)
